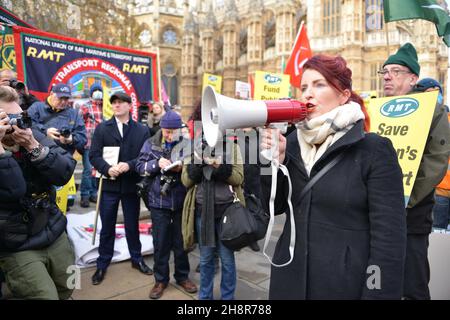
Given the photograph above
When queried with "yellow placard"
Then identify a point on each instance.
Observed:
(367, 96)
(107, 108)
(213, 81)
(406, 121)
(62, 194)
(271, 86)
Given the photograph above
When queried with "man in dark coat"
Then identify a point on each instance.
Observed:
(400, 74)
(119, 184)
(34, 249)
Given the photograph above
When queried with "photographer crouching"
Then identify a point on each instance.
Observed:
(158, 160)
(34, 249)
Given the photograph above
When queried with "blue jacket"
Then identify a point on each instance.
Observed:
(147, 164)
(107, 135)
(45, 117)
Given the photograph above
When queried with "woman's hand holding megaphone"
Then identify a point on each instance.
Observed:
(273, 140)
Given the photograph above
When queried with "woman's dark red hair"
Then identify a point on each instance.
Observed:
(339, 76)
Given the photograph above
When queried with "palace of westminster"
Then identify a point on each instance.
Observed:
(236, 38)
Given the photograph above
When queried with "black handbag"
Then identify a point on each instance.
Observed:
(240, 226)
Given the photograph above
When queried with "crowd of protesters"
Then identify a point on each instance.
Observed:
(339, 234)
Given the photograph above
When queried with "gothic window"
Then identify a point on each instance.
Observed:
(331, 17)
(219, 48)
(243, 41)
(170, 80)
(374, 15)
(376, 82)
(270, 33)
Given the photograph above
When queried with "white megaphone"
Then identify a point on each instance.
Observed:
(220, 113)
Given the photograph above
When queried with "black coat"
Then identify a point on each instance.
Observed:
(19, 179)
(353, 217)
(107, 135)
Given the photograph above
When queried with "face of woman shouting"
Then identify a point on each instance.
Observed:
(319, 96)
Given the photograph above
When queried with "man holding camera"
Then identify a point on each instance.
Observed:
(9, 78)
(58, 120)
(160, 160)
(119, 184)
(34, 249)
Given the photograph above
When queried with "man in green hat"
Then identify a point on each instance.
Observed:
(400, 73)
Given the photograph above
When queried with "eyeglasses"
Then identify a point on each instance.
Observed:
(393, 72)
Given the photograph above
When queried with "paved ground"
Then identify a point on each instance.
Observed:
(122, 282)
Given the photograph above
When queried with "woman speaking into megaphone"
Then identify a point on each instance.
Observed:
(347, 197)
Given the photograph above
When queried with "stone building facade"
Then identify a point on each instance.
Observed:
(236, 38)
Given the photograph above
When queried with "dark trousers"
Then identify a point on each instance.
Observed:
(417, 268)
(109, 205)
(167, 236)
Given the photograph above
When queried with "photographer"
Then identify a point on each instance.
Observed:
(166, 195)
(34, 249)
(9, 78)
(211, 176)
(60, 122)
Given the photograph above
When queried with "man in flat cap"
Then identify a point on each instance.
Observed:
(120, 183)
(400, 74)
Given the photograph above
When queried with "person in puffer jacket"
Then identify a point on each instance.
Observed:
(165, 197)
(34, 249)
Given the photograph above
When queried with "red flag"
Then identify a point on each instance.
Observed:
(300, 53)
(252, 86)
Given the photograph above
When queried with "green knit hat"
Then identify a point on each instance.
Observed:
(405, 56)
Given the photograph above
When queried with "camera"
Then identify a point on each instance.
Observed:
(166, 182)
(22, 120)
(15, 84)
(65, 132)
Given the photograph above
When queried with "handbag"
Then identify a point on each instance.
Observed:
(240, 226)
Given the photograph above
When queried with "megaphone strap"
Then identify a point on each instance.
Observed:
(273, 191)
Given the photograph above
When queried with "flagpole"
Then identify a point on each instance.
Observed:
(159, 73)
(387, 39)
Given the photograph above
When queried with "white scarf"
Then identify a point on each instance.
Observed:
(326, 130)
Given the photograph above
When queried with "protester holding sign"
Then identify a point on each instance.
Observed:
(400, 73)
(124, 133)
(350, 226)
(60, 122)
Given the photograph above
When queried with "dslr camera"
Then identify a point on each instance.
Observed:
(17, 85)
(166, 181)
(65, 132)
(22, 120)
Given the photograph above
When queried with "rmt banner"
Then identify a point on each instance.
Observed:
(44, 59)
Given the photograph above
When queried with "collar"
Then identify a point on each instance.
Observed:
(51, 107)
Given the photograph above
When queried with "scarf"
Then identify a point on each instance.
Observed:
(325, 130)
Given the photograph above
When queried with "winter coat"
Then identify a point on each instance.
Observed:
(352, 218)
(45, 117)
(147, 165)
(236, 180)
(107, 135)
(19, 179)
(432, 169)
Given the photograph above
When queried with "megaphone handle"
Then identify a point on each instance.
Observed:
(270, 153)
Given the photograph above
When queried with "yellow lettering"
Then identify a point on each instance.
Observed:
(11, 59)
(135, 68)
(31, 52)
